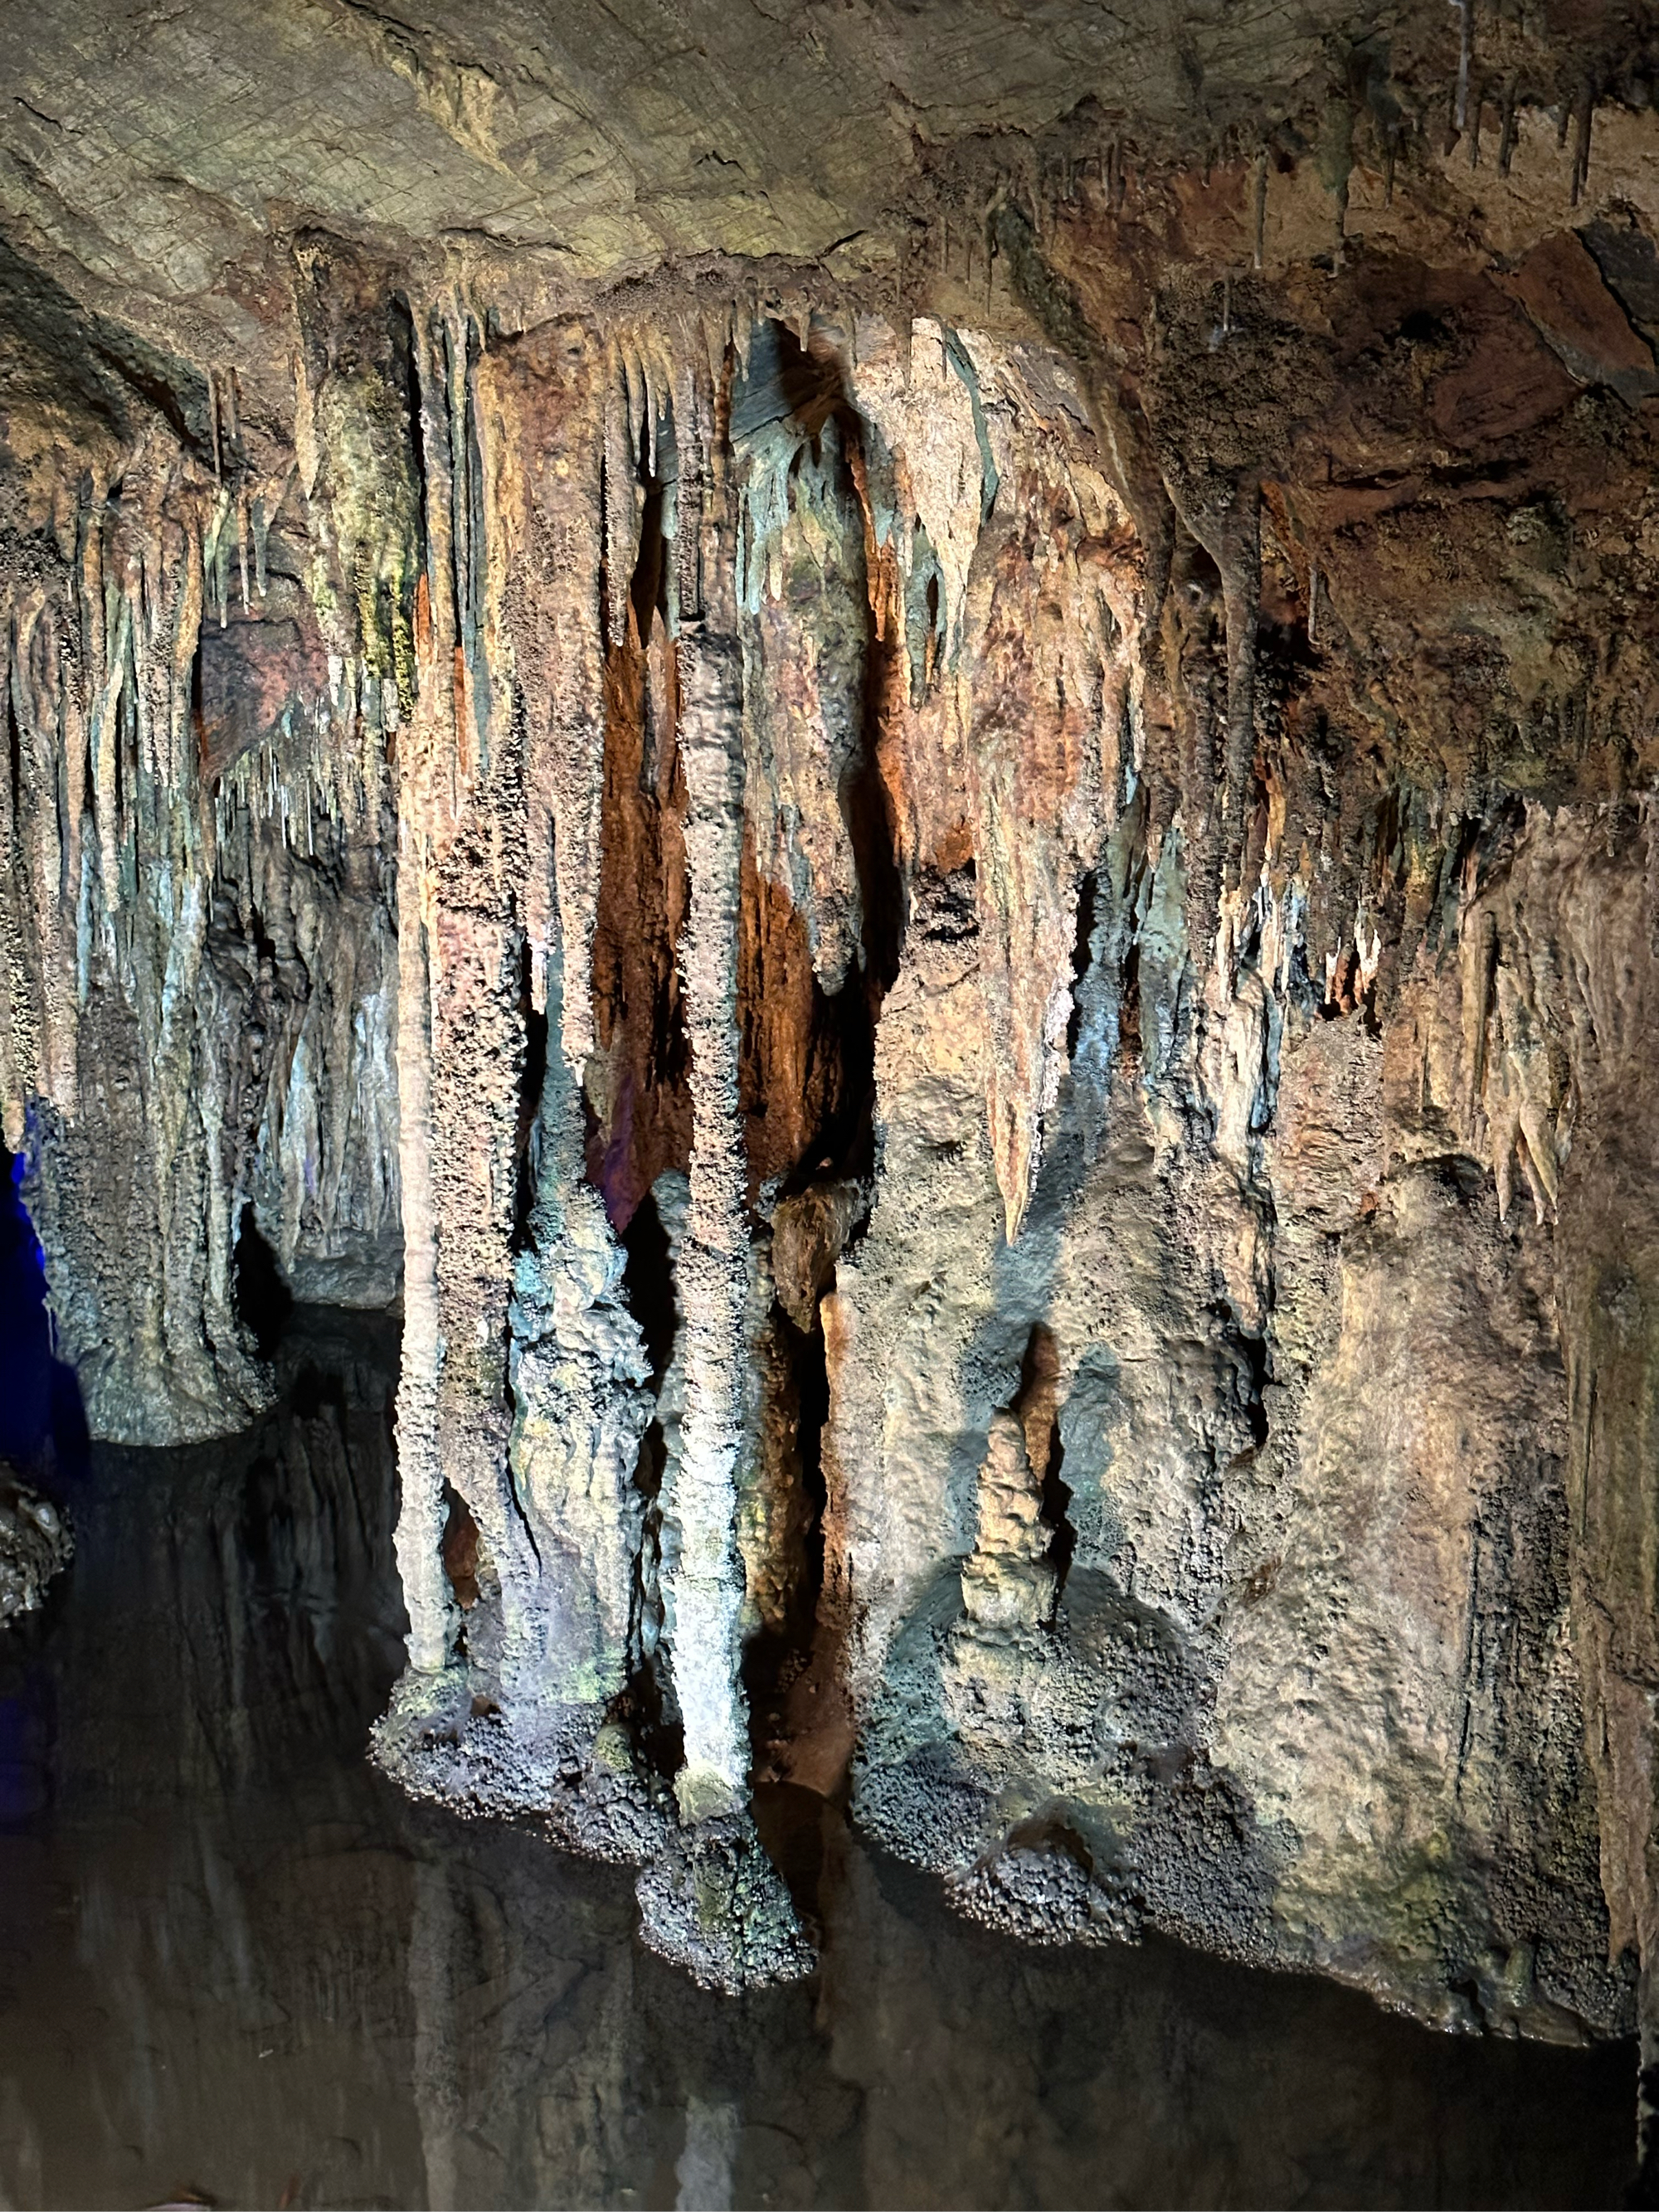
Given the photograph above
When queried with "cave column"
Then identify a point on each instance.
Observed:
(426, 757)
(420, 1519)
(704, 1589)
(711, 1898)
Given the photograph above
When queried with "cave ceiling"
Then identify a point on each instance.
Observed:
(157, 161)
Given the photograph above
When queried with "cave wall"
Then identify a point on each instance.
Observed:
(980, 960)
(195, 1031)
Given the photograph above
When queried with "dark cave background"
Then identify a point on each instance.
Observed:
(41, 1421)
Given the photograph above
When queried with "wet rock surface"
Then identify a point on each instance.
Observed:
(235, 1961)
(36, 1542)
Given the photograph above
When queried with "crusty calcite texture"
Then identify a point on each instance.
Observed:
(985, 971)
(36, 1543)
(196, 928)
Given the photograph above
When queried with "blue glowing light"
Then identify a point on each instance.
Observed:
(26, 1347)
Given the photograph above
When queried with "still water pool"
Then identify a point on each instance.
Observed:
(236, 1965)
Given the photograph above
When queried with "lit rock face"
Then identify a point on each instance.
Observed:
(976, 939)
(35, 1544)
(200, 962)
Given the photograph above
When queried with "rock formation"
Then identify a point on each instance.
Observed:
(35, 1544)
(941, 833)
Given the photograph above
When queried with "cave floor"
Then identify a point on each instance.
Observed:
(238, 1966)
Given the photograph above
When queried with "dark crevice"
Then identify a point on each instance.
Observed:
(648, 1281)
(1285, 660)
(869, 812)
(647, 588)
(527, 1144)
(1254, 1371)
(262, 1299)
(14, 747)
(263, 944)
(198, 718)
(641, 1127)
(812, 1382)
(1037, 1407)
(602, 579)
(842, 1142)
(1056, 1512)
(1129, 1013)
(314, 1391)
(646, 1705)
(406, 377)
(477, 581)
(43, 1420)
(949, 910)
(784, 382)
(459, 1548)
(782, 1651)
(470, 552)
(1082, 955)
(125, 751)
(1255, 1351)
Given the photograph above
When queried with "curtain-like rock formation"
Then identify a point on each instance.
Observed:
(978, 946)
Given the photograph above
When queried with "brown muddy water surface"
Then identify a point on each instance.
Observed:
(237, 1964)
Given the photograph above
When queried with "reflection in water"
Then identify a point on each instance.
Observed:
(234, 1960)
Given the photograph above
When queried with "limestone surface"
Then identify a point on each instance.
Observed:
(36, 1543)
